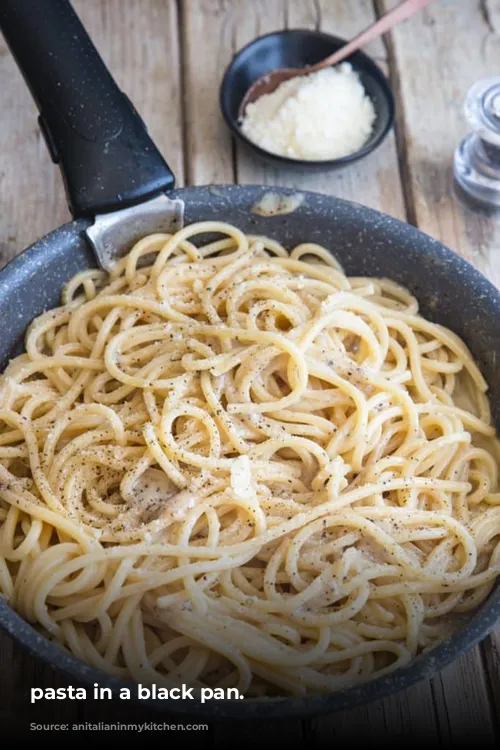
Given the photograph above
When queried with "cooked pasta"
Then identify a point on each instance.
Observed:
(228, 464)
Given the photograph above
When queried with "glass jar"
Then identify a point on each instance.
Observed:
(477, 157)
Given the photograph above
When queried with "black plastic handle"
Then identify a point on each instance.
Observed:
(107, 159)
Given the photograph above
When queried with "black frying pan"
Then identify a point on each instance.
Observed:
(109, 164)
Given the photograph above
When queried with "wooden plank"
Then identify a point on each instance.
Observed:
(439, 54)
(432, 76)
(373, 181)
(462, 702)
(19, 674)
(31, 193)
(139, 42)
(398, 717)
(207, 33)
(491, 649)
(8, 710)
(251, 734)
(215, 32)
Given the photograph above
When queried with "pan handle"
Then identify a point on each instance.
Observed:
(107, 159)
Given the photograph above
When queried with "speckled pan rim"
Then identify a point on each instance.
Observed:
(426, 665)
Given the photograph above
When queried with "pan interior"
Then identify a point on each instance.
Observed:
(366, 243)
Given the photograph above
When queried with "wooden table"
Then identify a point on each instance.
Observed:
(169, 58)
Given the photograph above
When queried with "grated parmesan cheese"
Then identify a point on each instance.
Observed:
(241, 478)
(325, 115)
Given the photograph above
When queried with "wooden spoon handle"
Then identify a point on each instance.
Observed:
(386, 22)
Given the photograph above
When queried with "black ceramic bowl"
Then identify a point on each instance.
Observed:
(293, 49)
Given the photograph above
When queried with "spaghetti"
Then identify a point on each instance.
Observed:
(227, 465)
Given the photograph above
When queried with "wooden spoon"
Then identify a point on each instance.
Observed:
(270, 81)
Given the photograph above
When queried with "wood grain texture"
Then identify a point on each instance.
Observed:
(374, 181)
(169, 57)
(410, 714)
(31, 193)
(207, 28)
(139, 42)
(437, 55)
(432, 75)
